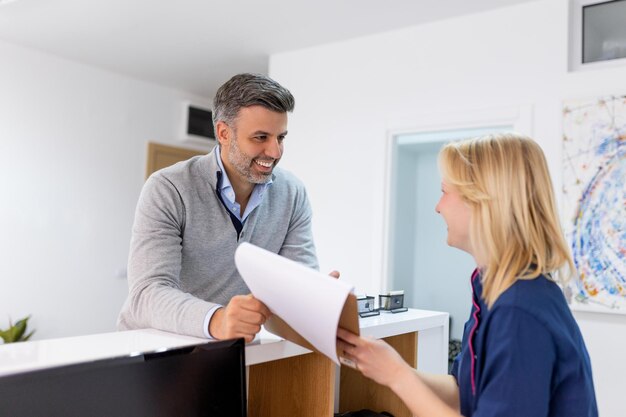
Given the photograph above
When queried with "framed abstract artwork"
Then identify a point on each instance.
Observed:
(594, 201)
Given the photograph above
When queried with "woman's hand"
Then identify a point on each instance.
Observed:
(374, 358)
(424, 395)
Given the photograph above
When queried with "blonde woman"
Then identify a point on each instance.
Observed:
(522, 353)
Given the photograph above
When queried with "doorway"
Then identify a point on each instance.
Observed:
(433, 275)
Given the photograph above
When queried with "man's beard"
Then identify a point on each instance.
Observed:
(243, 164)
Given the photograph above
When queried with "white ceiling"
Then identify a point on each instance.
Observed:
(195, 45)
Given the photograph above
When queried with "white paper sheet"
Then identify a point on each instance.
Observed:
(307, 300)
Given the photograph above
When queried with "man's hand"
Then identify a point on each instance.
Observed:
(334, 274)
(242, 317)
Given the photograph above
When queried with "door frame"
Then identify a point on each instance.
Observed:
(520, 117)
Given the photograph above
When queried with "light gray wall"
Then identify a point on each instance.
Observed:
(402, 239)
(441, 273)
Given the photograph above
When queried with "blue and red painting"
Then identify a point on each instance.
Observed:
(594, 201)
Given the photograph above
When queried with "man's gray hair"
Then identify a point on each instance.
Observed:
(244, 90)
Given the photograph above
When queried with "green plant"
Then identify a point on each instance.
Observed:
(16, 333)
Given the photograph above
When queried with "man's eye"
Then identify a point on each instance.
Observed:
(281, 138)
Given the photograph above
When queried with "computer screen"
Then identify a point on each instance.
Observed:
(203, 380)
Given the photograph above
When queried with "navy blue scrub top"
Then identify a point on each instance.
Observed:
(525, 357)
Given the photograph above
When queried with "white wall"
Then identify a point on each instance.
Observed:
(72, 161)
(351, 94)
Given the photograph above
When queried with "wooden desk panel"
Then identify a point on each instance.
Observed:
(302, 386)
(357, 392)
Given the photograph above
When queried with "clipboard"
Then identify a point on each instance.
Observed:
(307, 306)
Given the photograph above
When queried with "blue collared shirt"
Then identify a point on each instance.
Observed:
(228, 193)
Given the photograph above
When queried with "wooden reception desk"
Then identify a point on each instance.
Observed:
(284, 379)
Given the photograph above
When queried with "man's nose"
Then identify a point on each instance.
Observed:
(274, 148)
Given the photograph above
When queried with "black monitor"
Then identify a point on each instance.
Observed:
(203, 380)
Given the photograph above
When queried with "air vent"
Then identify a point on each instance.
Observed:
(198, 124)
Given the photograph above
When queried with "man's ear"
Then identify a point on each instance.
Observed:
(222, 133)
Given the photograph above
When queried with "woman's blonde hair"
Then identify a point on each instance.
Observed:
(514, 226)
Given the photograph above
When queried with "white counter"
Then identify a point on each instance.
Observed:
(27, 356)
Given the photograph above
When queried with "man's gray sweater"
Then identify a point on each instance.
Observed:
(181, 260)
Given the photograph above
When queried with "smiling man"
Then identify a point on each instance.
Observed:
(192, 216)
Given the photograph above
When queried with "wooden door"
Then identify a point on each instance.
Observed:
(161, 156)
